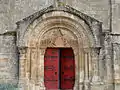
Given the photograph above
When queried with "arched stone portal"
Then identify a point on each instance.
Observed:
(59, 29)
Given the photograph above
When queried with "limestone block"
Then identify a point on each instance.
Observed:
(98, 9)
(8, 61)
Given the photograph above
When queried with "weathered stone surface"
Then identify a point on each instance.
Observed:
(96, 48)
(116, 17)
(8, 62)
(94, 8)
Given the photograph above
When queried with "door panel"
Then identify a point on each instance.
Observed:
(67, 68)
(59, 69)
(51, 61)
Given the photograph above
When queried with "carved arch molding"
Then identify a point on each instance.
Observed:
(58, 29)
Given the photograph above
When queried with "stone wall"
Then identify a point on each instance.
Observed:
(98, 9)
(116, 16)
(116, 58)
(12, 11)
(8, 61)
(6, 15)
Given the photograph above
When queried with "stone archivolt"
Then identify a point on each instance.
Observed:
(59, 29)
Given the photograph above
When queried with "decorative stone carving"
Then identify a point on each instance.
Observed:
(59, 31)
(57, 38)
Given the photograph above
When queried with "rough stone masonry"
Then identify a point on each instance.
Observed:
(90, 27)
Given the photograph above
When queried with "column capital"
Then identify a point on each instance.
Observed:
(22, 50)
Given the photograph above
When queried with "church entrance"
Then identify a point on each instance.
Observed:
(59, 69)
(74, 66)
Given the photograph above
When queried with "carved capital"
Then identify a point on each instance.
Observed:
(22, 50)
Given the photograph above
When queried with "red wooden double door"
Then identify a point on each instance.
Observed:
(59, 69)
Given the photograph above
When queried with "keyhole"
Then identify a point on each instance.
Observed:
(55, 73)
(62, 72)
